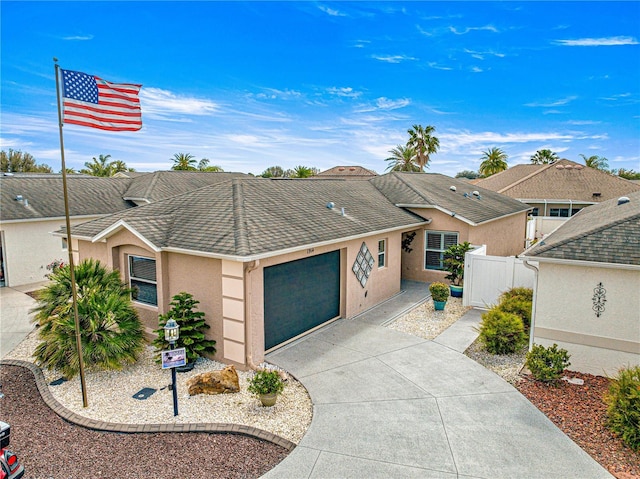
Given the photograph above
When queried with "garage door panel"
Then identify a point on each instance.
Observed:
(300, 295)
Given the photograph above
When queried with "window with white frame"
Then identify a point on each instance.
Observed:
(382, 253)
(142, 279)
(436, 242)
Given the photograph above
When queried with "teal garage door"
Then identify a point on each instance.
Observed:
(299, 296)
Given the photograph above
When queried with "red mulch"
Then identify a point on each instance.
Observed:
(581, 413)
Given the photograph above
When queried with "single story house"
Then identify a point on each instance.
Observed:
(32, 206)
(273, 259)
(587, 294)
(556, 191)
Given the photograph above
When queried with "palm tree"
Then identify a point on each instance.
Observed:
(203, 165)
(19, 162)
(544, 157)
(494, 161)
(111, 333)
(595, 161)
(301, 172)
(184, 162)
(423, 143)
(402, 159)
(100, 166)
(118, 166)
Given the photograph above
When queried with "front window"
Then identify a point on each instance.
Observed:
(436, 242)
(559, 212)
(382, 253)
(142, 279)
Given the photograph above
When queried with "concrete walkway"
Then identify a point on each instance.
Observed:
(15, 321)
(390, 405)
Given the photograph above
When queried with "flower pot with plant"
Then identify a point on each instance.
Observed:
(266, 384)
(454, 265)
(439, 294)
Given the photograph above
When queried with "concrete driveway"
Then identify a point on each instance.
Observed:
(390, 405)
(15, 319)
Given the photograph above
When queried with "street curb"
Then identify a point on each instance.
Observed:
(213, 428)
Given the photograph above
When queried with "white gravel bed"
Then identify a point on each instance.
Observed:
(507, 366)
(110, 397)
(424, 322)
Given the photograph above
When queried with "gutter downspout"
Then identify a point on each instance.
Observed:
(248, 320)
(535, 297)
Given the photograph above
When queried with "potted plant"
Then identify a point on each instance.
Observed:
(454, 264)
(439, 294)
(266, 384)
(192, 326)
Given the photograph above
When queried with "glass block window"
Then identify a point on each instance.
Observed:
(436, 242)
(142, 279)
(363, 264)
(382, 253)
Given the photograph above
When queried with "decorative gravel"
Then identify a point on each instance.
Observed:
(110, 397)
(508, 366)
(427, 323)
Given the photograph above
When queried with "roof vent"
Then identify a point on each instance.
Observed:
(568, 167)
(330, 205)
(19, 198)
(578, 167)
(352, 168)
(341, 168)
(597, 194)
(623, 199)
(452, 188)
(476, 193)
(559, 167)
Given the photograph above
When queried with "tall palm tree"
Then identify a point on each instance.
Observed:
(544, 157)
(424, 144)
(595, 161)
(402, 159)
(118, 166)
(494, 161)
(203, 165)
(100, 166)
(302, 172)
(184, 162)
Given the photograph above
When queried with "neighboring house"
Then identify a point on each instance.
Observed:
(32, 206)
(268, 259)
(556, 191)
(272, 259)
(456, 212)
(587, 298)
(347, 173)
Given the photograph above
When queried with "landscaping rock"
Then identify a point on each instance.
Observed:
(214, 382)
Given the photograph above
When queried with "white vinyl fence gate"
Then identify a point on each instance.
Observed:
(486, 277)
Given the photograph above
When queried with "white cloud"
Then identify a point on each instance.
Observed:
(480, 55)
(162, 103)
(435, 66)
(387, 104)
(551, 104)
(274, 93)
(344, 92)
(392, 58)
(598, 42)
(464, 31)
(476, 70)
(583, 122)
(330, 11)
(78, 37)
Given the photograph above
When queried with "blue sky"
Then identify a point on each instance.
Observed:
(250, 85)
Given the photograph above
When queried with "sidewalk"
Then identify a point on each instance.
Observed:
(387, 404)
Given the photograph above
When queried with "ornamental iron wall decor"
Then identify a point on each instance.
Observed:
(599, 298)
(363, 265)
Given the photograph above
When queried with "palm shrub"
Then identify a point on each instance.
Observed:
(547, 364)
(518, 306)
(623, 406)
(501, 333)
(110, 330)
(192, 326)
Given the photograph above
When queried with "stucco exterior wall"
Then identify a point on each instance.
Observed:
(29, 246)
(565, 315)
(503, 237)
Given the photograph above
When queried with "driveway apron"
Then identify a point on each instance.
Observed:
(391, 405)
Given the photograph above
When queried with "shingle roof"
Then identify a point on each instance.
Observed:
(563, 180)
(434, 190)
(163, 184)
(605, 233)
(347, 173)
(42, 196)
(254, 216)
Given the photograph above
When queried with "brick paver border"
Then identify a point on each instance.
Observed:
(215, 428)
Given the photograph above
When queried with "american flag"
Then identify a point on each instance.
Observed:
(96, 103)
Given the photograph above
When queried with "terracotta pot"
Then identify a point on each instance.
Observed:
(268, 400)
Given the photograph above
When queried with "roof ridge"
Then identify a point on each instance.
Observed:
(239, 218)
(154, 180)
(524, 178)
(570, 239)
(428, 199)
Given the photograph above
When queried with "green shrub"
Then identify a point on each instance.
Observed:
(501, 333)
(518, 306)
(525, 294)
(623, 401)
(266, 381)
(192, 326)
(547, 364)
(110, 331)
(439, 291)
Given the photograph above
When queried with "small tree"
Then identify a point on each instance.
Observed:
(110, 331)
(547, 364)
(454, 262)
(192, 326)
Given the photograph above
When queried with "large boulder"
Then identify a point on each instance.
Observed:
(215, 382)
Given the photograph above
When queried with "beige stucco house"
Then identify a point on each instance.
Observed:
(587, 295)
(272, 259)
